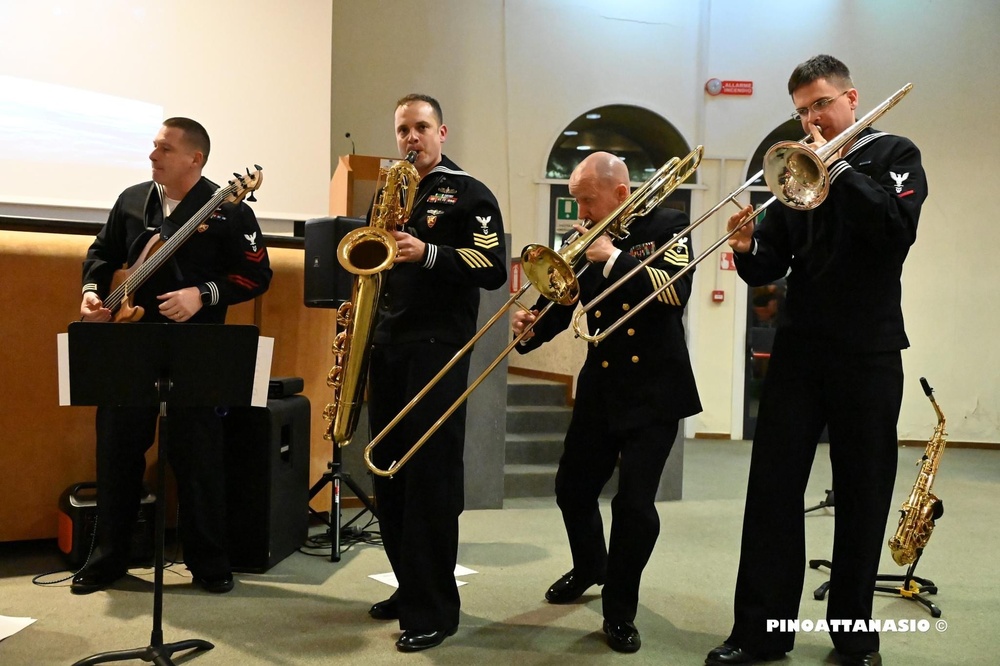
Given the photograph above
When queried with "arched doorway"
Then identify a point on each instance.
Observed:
(642, 138)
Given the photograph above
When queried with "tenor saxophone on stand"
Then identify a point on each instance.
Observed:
(367, 253)
(922, 507)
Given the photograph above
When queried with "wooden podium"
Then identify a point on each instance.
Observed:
(353, 185)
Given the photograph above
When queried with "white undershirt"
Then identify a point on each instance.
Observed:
(165, 201)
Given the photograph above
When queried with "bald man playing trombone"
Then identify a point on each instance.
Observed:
(632, 391)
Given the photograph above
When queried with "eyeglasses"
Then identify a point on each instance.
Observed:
(818, 106)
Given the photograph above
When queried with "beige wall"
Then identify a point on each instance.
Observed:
(511, 74)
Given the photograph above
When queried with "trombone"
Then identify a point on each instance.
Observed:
(555, 276)
(795, 174)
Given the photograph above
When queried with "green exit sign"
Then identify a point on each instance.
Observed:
(566, 209)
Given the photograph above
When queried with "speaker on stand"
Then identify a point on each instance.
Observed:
(326, 283)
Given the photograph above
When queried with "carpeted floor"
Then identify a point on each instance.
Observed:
(308, 610)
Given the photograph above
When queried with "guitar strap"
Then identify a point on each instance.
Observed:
(166, 226)
(191, 204)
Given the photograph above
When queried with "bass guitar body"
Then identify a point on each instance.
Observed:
(126, 310)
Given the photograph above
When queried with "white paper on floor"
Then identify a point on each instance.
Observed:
(11, 625)
(390, 578)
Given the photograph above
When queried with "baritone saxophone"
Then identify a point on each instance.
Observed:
(922, 507)
(367, 253)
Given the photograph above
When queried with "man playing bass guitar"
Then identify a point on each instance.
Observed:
(222, 263)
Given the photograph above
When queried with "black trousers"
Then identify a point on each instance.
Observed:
(594, 444)
(419, 506)
(195, 453)
(858, 397)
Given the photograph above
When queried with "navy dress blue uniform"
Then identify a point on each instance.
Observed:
(228, 262)
(836, 362)
(631, 392)
(427, 312)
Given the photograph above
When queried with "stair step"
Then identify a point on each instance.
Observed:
(539, 481)
(529, 480)
(537, 392)
(545, 418)
(533, 448)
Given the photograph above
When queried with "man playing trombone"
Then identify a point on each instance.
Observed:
(633, 389)
(835, 362)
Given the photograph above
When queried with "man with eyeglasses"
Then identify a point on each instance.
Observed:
(835, 362)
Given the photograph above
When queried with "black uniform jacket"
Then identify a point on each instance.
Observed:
(641, 373)
(228, 260)
(846, 256)
(438, 300)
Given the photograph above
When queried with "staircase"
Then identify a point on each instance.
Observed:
(537, 419)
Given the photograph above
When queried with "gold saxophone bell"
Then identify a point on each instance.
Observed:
(367, 253)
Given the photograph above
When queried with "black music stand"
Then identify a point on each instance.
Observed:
(824, 503)
(161, 364)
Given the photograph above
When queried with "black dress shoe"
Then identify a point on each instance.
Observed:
(622, 636)
(216, 584)
(94, 579)
(385, 610)
(412, 641)
(730, 654)
(569, 588)
(862, 659)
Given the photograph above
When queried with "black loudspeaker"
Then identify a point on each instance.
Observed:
(267, 482)
(327, 284)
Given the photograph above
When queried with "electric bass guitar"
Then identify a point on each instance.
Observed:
(158, 251)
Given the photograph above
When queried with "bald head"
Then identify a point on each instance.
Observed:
(609, 170)
(599, 184)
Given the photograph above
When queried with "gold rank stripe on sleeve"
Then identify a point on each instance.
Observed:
(474, 258)
(485, 241)
(677, 255)
(659, 278)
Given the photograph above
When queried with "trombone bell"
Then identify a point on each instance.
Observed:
(552, 275)
(796, 175)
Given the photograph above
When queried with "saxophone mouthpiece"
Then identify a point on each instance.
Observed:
(411, 157)
(927, 387)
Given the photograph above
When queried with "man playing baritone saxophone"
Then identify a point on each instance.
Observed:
(632, 391)
(452, 247)
(835, 362)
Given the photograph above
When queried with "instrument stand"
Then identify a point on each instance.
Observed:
(825, 502)
(173, 360)
(912, 588)
(335, 475)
